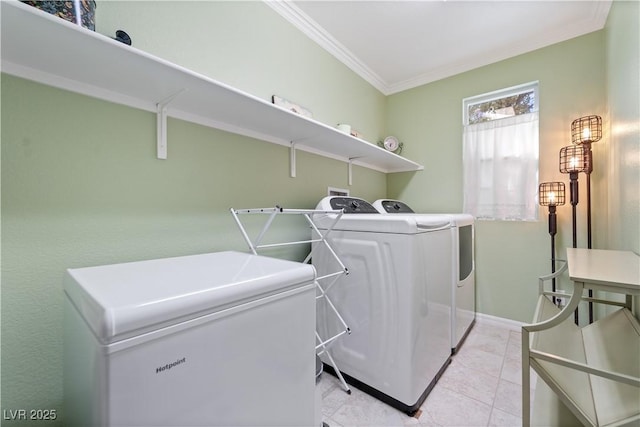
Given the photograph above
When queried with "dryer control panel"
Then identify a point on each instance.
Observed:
(352, 205)
(394, 206)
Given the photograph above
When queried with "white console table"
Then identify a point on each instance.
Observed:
(593, 370)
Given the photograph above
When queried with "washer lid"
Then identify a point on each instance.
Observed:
(360, 215)
(462, 219)
(396, 224)
(123, 300)
(387, 206)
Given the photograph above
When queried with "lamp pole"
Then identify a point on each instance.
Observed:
(552, 194)
(585, 131)
(573, 160)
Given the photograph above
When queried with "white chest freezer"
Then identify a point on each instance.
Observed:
(219, 339)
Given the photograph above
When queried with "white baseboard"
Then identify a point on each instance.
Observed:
(501, 322)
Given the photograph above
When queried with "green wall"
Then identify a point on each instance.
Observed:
(81, 184)
(509, 255)
(594, 74)
(623, 87)
(248, 46)
(623, 136)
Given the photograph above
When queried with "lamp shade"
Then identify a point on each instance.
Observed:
(574, 158)
(586, 130)
(551, 194)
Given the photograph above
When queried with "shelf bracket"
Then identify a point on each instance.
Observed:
(292, 159)
(161, 124)
(350, 169)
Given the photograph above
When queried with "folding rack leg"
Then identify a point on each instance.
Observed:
(266, 227)
(325, 350)
(255, 245)
(324, 345)
(323, 239)
(242, 231)
(323, 294)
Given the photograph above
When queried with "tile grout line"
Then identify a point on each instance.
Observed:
(503, 354)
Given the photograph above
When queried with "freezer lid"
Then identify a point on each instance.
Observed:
(122, 300)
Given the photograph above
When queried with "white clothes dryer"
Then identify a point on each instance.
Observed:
(463, 277)
(396, 299)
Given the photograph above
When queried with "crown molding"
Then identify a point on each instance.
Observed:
(601, 10)
(315, 32)
(302, 21)
(596, 22)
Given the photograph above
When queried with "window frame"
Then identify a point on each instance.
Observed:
(491, 162)
(499, 94)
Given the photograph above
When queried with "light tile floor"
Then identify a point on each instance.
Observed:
(481, 387)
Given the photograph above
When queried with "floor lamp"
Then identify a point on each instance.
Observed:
(551, 194)
(585, 131)
(573, 160)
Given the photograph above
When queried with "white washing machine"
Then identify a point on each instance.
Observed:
(219, 339)
(463, 278)
(396, 299)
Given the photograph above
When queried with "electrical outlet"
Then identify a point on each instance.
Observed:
(561, 301)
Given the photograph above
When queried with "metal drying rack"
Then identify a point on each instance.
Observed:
(323, 283)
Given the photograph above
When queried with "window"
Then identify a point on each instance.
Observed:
(500, 154)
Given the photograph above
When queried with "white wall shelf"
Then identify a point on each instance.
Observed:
(44, 48)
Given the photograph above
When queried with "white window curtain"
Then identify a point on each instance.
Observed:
(500, 161)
